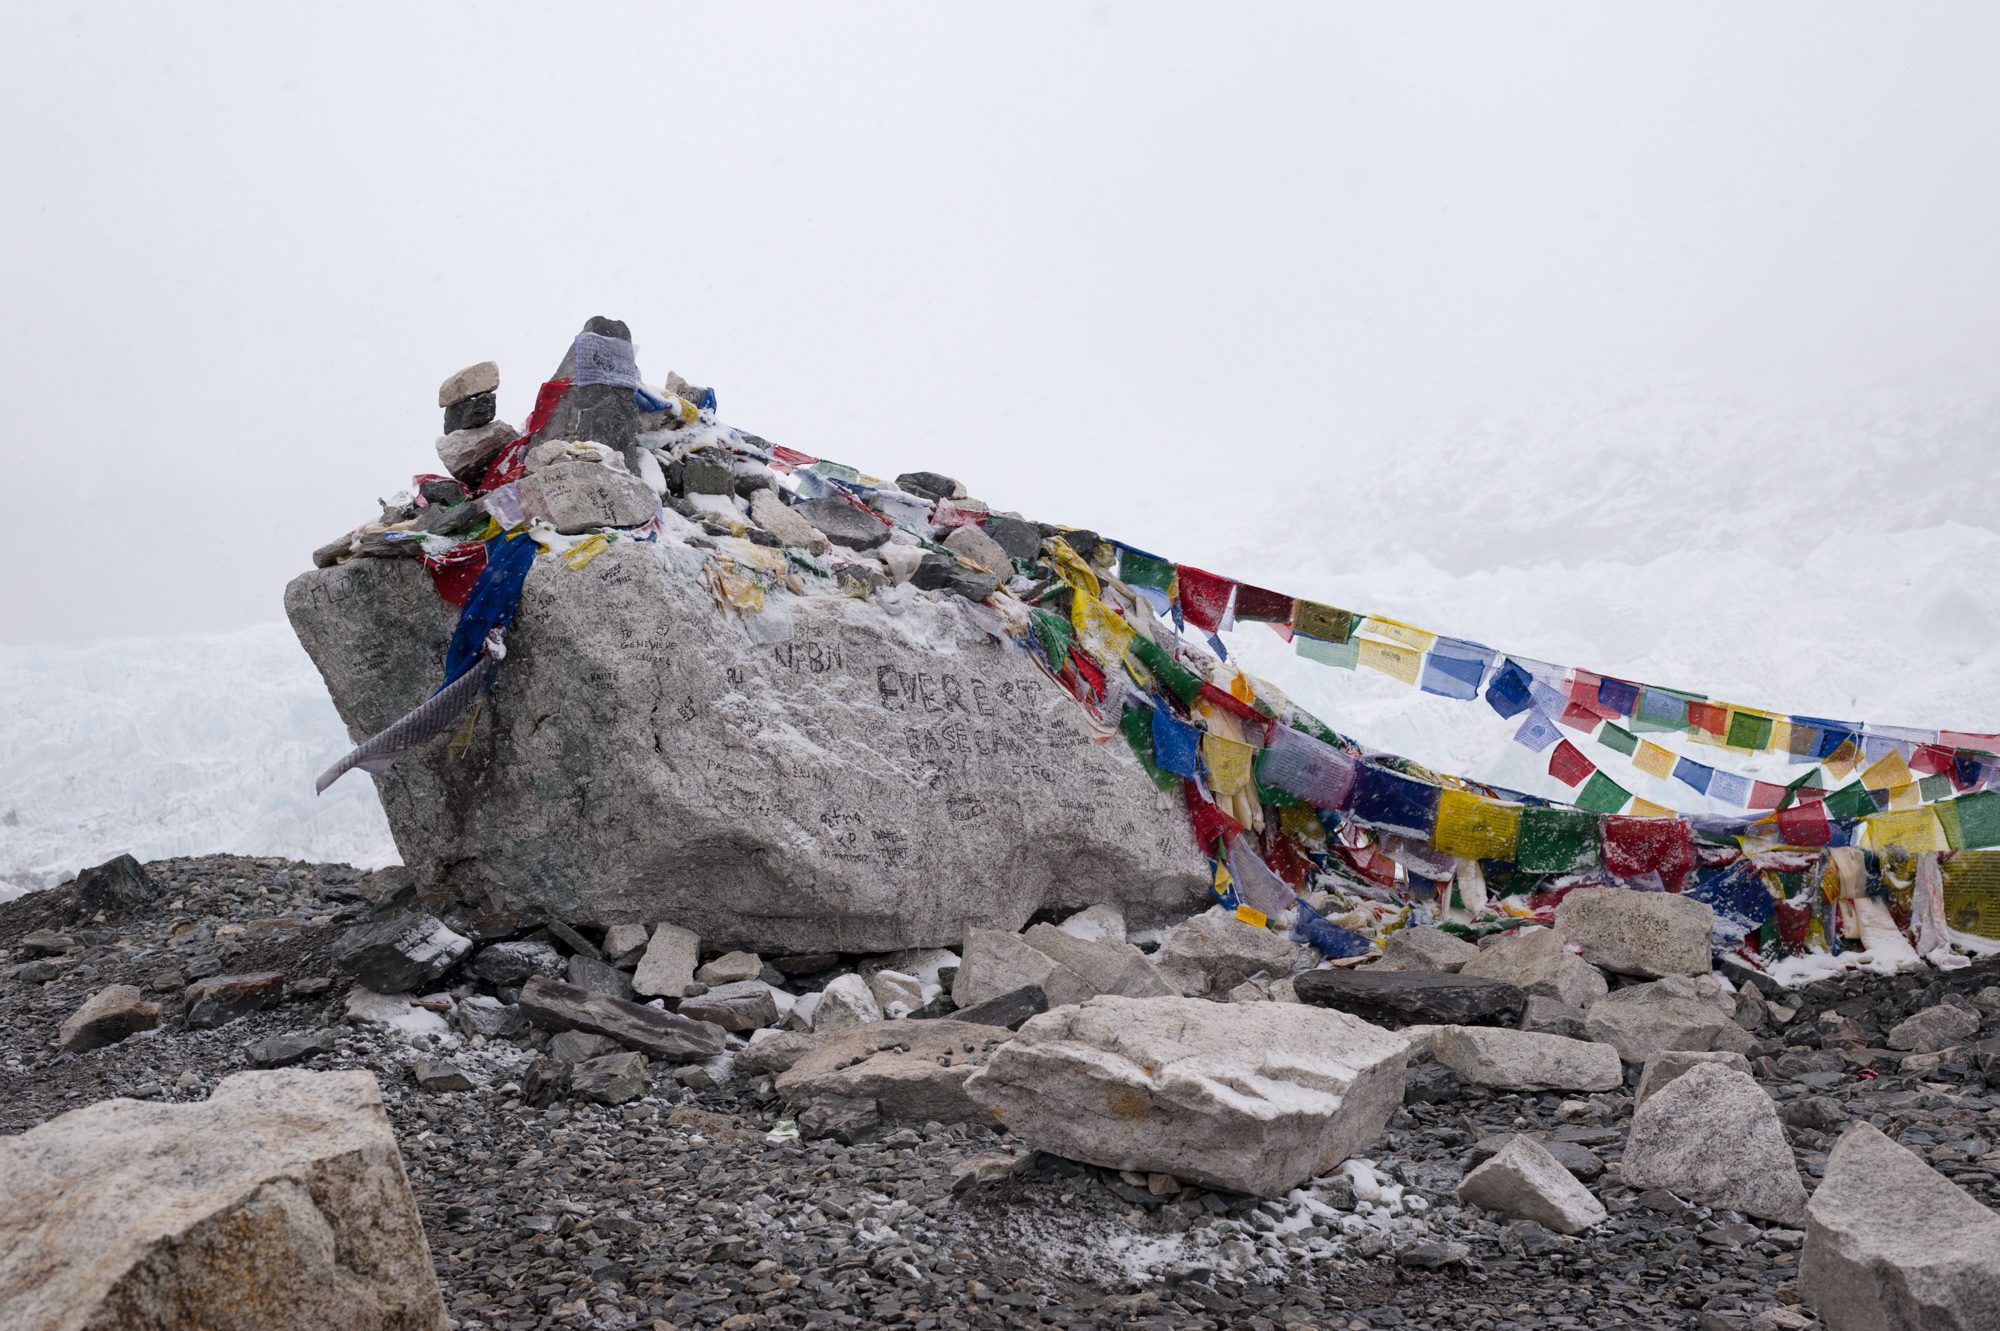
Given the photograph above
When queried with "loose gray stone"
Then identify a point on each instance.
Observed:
(731, 968)
(776, 1053)
(930, 485)
(221, 999)
(580, 1046)
(1009, 1009)
(477, 1014)
(584, 496)
(440, 1075)
(1892, 1245)
(1535, 961)
(897, 994)
(1524, 1061)
(1552, 1016)
(843, 523)
(598, 977)
(469, 413)
(1652, 934)
(1642, 1020)
(511, 964)
(1021, 540)
(1214, 952)
(759, 853)
(913, 1070)
(1399, 998)
(1663, 1067)
(623, 942)
(1711, 1135)
(846, 1002)
(974, 544)
(741, 1005)
(771, 513)
(280, 1200)
(1106, 965)
(473, 379)
(996, 962)
(1580, 1161)
(106, 1017)
(399, 952)
(1102, 921)
(667, 969)
(939, 573)
(117, 888)
(612, 1079)
(467, 453)
(1934, 1028)
(282, 1051)
(1250, 1098)
(1425, 948)
(665, 1035)
(1525, 1180)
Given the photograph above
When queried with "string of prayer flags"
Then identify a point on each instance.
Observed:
(1568, 765)
(1203, 597)
(1171, 675)
(1645, 808)
(1618, 739)
(1556, 840)
(1654, 759)
(1974, 818)
(1887, 772)
(1617, 697)
(1804, 824)
(1212, 827)
(1137, 725)
(1850, 802)
(1749, 730)
(1730, 788)
(1325, 622)
(1103, 632)
(1475, 828)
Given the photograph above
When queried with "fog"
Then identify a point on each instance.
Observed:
(1154, 269)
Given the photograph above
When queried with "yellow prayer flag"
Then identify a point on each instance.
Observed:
(1229, 764)
(1393, 630)
(584, 551)
(1842, 760)
(1395, 662)
(1781, 735)
(1251, 915)
(1474, 828)
(1239, 688)
(1645, 808)
(1905, 796)
(1654, 760)
(1071, 568)
(1301, 823)
(1101, 630)
(1888, 772)
(1915, 830)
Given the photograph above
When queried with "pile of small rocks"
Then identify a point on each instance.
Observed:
(621, 1128)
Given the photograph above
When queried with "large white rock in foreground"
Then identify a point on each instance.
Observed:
(853, 780)
(1248, 1097)
(279, 1201)
(1893, 1245)
(1713, 1136)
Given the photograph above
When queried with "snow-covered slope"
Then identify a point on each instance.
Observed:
(173, 746)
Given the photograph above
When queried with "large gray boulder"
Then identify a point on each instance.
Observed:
(1893, 1245)
(1247, 1097)
(280, 1201)
(1712, 1136)
(1649, 934)
(1536, 962)
(1642, 1020)
(867, 783)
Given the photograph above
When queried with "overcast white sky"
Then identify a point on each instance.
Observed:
(1134, 266)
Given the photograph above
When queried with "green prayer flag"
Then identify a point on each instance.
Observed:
(1136, 568)
(1747, 730)
(1174, 677)
(1660, 709)
(1931, 789)
(1812, 778)
(1617, 737)
(1603, 795)
(1977, 817)
(1851, 801)
(1325, 622)
(1344, 655)
(1556, 840)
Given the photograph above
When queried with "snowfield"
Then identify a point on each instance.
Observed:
(1815, 557)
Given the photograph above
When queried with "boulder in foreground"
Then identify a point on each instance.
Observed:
(1712, 1136)
(1247, 1097)
(280, 1201)
(1523, 1179)
(848, 780)
(1893, 1245)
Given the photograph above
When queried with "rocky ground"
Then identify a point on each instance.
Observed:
(682, 1208)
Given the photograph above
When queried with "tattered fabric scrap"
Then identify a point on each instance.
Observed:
(1256, 886)
(456, 571)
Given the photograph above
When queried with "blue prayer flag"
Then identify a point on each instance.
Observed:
(1691, 773)
(1509, 694)
(1176, 744)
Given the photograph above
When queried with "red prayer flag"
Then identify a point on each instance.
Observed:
(1089, 671)
(1262, 605)
(1635, 846)
(456, 570)
(1568, 765)
(1204, 598)
(790, 459)
(1237, 708)
(1579, 717)
(1708, 716)
(1931, 760)
(1213, 829)
(1765, 794)
(1805, 824)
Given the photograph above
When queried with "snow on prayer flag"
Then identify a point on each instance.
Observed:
(1602, 795)
(1635, 846)
(1387, 799)
(1556, 840)
(1693, 774)
(1568, 765)
(1805, 824)
(1537, 732)
(1203, 597)
(1508, 693)
(1475, 828)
